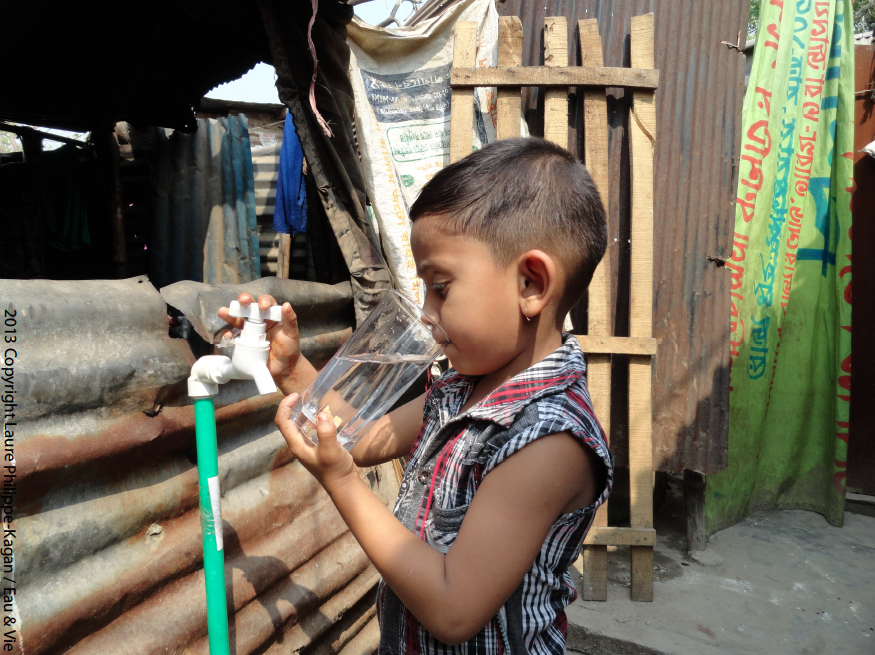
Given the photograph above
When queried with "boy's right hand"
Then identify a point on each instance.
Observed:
(285, 340)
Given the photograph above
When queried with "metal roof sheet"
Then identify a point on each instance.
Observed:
(108, 557)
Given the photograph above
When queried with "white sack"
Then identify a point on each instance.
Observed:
(400, 77)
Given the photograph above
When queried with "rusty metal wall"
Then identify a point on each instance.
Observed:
(108, 555)
(204, 224)
(861, 442)
(698, 109)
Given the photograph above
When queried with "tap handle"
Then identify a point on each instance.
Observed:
(254, 313)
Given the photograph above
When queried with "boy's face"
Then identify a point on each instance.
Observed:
(475, 302)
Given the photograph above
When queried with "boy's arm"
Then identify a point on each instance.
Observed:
(392, 436)
(456, 594)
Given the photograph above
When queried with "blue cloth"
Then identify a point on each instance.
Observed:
(290, 213)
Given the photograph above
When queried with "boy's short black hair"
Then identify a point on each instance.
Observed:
(521, 194)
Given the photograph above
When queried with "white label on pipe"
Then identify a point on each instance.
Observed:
(216, 504)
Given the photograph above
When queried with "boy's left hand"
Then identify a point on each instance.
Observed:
(328, 462)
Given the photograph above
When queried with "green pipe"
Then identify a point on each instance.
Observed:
(214, 559)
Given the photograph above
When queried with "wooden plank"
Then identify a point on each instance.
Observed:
(694, 503)
(25, 131)
(556, 100)
(595, 109)
(283, 256)
(641, 573)
(510, 53)
(112, 158)
(616, 346)
(633, 78)
(642, 128)
(462, 100)
(595, 125)
(621, 536)
(592, 565)
(640, 449)
(399, 470)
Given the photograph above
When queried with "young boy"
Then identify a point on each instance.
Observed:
(507, 462)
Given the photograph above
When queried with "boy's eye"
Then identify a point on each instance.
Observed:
(440, 287)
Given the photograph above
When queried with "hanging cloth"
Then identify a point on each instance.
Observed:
(290, 214)
(62, 179)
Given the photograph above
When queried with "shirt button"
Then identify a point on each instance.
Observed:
(424, 476)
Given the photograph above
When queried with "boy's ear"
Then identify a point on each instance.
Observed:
(538, 280)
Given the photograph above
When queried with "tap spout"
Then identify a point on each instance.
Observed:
(250, 363)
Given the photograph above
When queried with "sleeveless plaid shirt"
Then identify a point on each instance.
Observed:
(448, 461)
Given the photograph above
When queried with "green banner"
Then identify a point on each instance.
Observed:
(791, 270)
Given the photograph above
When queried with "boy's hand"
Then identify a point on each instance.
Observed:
(285, 341)
(329, 462)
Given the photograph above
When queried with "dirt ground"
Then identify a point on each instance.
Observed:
(782, 583)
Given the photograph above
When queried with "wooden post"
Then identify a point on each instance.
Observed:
(694, 502)
(595, 110)
(642, 128)
(31, 145)
(119, 247)
(510, 53)
(284, 253)
(462, 100)
(556, 100)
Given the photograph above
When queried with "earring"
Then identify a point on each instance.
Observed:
(526, 312)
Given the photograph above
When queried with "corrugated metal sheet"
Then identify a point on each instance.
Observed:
(265, 165)
(204, 226)
(429, 9)
(108, 555)
(861, 442)
(698, 135)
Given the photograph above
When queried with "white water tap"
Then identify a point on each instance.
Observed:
(249, 361)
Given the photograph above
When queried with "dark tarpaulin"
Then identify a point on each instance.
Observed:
(333, 161)
(21, 252)
(52, 212)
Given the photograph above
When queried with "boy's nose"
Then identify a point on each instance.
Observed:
(432, 319)
(440, 337)
(428, 307)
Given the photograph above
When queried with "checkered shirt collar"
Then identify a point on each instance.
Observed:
(559, 370)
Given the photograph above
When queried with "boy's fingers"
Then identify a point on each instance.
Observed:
(289, 400)
(290, 322)
(287, 426)
(325, 429)
(225, 315)
(265, 301)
